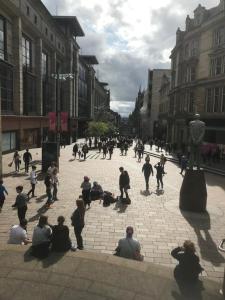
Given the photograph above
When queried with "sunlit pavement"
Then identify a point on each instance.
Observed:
(158, 223)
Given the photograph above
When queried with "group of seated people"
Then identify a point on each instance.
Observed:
(56, 238)
(45, 237)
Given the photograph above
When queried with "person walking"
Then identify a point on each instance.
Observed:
(85, 150)
(17, 161)
(33, 181)
(55, 183)
(27, 158)
(139, 151)
(110, 149)
(183, 164)
(159, 174)
(163, 160)
(124, 183)
(104, 150)
(86, 188)
(75, 150)
(3, 191)
(148, 170)
(77, 219)
(48, 185)
(21, 203)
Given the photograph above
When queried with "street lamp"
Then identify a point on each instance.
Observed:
(59, 77)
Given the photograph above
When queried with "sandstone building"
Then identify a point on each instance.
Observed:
(198, 75)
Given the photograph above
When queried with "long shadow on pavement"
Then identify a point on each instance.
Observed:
(201, 225)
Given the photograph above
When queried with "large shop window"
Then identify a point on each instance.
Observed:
(8, 141)
(2, 38)
(29, 94)
(27, 53)
(6, 86)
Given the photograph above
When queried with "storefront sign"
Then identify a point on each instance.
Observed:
(52, 121)
(64, 121)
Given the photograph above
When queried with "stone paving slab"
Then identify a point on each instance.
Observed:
(158, 223)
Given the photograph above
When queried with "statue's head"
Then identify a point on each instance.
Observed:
(197, 117)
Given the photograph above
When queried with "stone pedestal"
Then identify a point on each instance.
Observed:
(193, 193)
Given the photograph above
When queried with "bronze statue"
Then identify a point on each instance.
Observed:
(197, 132)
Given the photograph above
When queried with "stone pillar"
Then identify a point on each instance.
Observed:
(53, 91)
(18, 62)
(76, 82)
(38, 68)
(0, 133)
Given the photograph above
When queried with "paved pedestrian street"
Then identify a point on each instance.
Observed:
(158, 223)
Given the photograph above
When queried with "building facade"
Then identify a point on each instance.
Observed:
(151, 100)
(163, 122)
(34, 46)
(41, 71)
(198, 75)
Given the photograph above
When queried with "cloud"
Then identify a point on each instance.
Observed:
(128, 37)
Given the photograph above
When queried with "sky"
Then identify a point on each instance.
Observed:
(128, 37)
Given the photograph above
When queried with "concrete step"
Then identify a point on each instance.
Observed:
(87, 275)
(208, 169)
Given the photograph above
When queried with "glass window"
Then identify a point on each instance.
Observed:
(29, 94)
(218, 65)
(2, 38)
(209, 101)
(27, 53)
(6, 79)
(8, 141)
(223, 99)
(216, 100)
(44, 64)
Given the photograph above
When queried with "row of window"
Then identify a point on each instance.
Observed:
(219, 36)
(215, 100)
(46, 29)
(217, 65)
(82, 89)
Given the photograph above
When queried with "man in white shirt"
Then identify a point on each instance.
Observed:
(18, 234)
(128, 247)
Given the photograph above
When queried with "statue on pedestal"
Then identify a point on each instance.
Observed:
(197, 132)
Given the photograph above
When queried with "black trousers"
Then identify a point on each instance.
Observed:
(41, 250)
(77, 232)
(159, 180)
(147, 181)
(123, 189)
(27, 163)
(32, 190)
(22, 212)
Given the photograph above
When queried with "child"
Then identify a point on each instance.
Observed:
(33, 181)
(3, 191)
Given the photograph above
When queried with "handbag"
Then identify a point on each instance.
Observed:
(10, 164)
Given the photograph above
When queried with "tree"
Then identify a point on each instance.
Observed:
(97, 128)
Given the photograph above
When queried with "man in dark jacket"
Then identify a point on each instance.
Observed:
(27, 158)
(148, 170)
(159, 174)
(124, 182)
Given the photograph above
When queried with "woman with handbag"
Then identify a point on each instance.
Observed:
(86, 189)
(17, 161)
(77, 219)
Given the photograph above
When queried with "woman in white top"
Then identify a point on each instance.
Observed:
(41, 238)
(33, 181)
